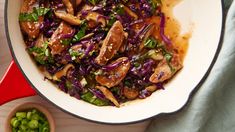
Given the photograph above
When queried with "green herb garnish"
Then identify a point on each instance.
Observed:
(75, 54)
(65, 42)
(112, 20)
(32, 17)
(119, 10)
(81, 33)
(41, 54)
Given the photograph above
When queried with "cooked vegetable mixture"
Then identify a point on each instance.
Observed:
(105, 52)
(30, 120)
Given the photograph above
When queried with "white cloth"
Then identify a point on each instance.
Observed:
(212, 108)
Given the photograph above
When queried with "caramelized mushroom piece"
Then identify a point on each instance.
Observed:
(78, 2)
(165, 70)
(111, 43)
(32, 29)
(96, 17)
(69, 6)
(113, 77)
(130, 12)
(108, 95)
(85, 8)
(55, 41)
(151, 88)
(62, 72)
(130, 93)
(71, 19)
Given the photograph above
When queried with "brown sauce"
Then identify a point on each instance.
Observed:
(172, 28)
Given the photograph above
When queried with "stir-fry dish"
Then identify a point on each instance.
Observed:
(105, 52)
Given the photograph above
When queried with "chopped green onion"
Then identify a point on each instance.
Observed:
(15, 123)
(29, 115)
(150, 43)
(23, 127)
(68, 84)
(89, 97)
(33, 124)
(83, 82)
(29, 120)
(168, 57)
(21, 115)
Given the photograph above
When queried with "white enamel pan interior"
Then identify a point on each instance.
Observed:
(207, 19)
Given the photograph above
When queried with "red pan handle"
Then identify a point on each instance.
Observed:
(13, 85)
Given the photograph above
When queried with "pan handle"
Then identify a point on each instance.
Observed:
(13, 85)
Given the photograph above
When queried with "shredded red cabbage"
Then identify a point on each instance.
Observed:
(162, 30)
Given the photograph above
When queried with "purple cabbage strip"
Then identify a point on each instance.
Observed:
(136, 22)
(113, 66)
(89, 49)
(82, 70)
(144, 93)
(97, 8)
(77, 85)
(160, 75)
(143, 69)
(97, 93)
(160, 85)
(162, 30)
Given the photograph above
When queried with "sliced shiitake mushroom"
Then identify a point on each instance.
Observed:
(71, 19)
(96, 17)
(113, 77)
(130, 93)
(55, 41)
(78, 2)
(130, 12)
(31, 28)
(69, 6)
(165, 70)
(62, 72)
(108, 95)
(111, 43)
(151, 88)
